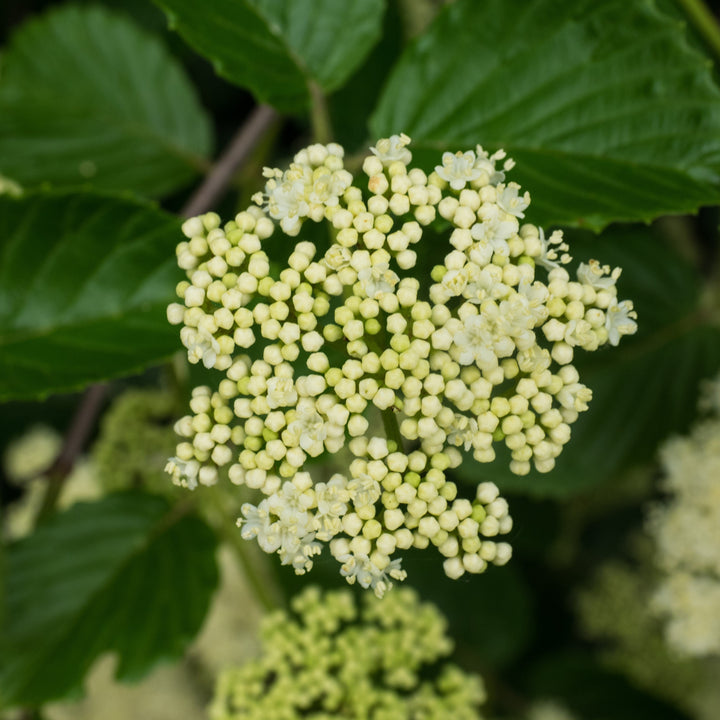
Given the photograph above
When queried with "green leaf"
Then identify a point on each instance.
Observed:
(122, 574)
(643, 390)
(84, 283)
(277, 48)
(608, 112)
(88, 98)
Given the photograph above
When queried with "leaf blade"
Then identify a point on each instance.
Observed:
(89, 99)
(277, 47)
(604, 82)
(84, 283)
(116, 546)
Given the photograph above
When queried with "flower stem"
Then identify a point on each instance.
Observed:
(263, 589)
(704, 22)
(236, 153)
(320, 115)
(75, 439)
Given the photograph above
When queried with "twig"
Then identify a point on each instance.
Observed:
(234, 155)
(201, 200)
(704, 21)
(75, 439)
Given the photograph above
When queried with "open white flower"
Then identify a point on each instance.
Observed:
(310, 429)
(458, 169)
(620, 320)
(378, 280)
(475, 343)
(392, 149)
(281, 392)
(203, 348)
(359, 567)
(599, 277)
(510, 201)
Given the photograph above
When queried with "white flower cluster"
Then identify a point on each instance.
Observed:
(334, 657)
(686, 530)
(349, 339)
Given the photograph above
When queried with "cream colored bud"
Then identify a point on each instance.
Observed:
(453, 568)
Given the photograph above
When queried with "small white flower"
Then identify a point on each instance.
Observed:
(205, 348)
(364, 490)
(358, 567)
(301, 558)
(281, 392)
(332, 499)
(257, 524)
(337, 257)
(310, 429)
(462, 431)
(484, 284)
(486, 163)
(495, 230)
(392, 149)
(475, 343)
(378, 280)
(454, 282)
(184, 473)
(620, 320)
(458, 169)
(509, 200)
(598, 276)
(548, 257)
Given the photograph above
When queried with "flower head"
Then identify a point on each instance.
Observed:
(353, 660)
(355, 356)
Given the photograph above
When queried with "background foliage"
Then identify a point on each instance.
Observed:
(110, 114)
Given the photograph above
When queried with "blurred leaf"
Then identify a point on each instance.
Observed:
(594, 693)
(276, 48)
(351, 105)
(89, 98)
(608, 112)
(643, 390)
(84, 283)
(123, 574)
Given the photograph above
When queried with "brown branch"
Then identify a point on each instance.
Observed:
(75, 439)
(212, 187)
(236, 153)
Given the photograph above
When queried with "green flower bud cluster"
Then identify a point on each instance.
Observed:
(319, 354)
(333, 657)
(136, 435)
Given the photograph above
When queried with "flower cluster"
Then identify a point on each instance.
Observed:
(351, 337)
(686, 531)
(331, 658)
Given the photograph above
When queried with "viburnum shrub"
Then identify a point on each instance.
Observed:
(294, 291)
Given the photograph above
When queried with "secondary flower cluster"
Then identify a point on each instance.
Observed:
(686, 530)
(352, 337)
(332, 658)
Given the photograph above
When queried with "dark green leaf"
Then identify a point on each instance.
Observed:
(84, 282)
(122, 574)
(608, 112)
(276, 48)
(89, 98)
(647, 387)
